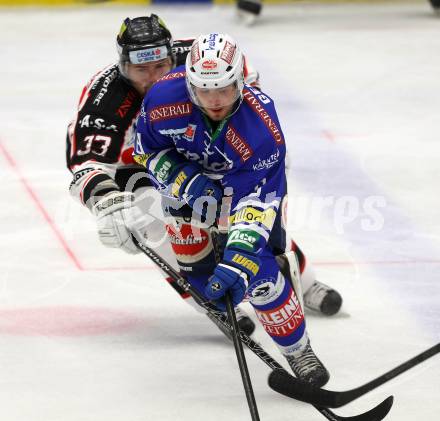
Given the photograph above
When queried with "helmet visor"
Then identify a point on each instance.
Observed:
(143, 76)
(216, 98)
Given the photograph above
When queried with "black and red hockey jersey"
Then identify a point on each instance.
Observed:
(100, 139)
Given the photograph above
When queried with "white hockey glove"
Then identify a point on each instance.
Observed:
(116, 218)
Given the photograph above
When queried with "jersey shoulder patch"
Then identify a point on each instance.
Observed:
(109, 96)
(168, 97)
(263, 107)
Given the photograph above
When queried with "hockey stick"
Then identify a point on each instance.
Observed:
(241, 359)
(287, 385)
(376, 414)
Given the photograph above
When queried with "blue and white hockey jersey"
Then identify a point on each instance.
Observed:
(245, 154)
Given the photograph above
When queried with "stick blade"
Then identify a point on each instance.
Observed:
(378, 413)
(282, 382)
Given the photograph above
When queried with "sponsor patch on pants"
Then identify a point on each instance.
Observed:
(190, 244)
(282, 320)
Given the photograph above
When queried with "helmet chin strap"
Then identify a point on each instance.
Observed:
(236, 105)
(234, 108)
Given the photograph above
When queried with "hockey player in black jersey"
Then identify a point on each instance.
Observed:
(100, 142)
(99, 154)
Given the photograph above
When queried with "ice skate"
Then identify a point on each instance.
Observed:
(322, 298)
(306, 366)
(245, 323)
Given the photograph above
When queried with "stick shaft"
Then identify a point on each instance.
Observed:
(375, 414)
(241, 359)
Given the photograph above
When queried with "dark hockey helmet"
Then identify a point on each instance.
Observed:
(143, 40)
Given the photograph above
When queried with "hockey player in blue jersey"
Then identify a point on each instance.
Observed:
(215, 149)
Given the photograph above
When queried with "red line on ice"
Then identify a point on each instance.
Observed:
(10, 160)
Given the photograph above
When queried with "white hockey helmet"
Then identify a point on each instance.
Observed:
(214, 62)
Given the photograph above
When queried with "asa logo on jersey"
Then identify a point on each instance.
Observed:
(97, 123)
(238, 144)
(189, 243)
(166, 112)
(283, 320)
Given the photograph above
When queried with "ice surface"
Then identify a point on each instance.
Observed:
(88, 333)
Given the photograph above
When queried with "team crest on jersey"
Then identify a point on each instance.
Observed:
(165, 112)
(265, 290)
(211, 158)
(174, 134)
(190, 132)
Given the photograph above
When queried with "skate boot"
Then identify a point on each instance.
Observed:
(306, 366)
(322, 298)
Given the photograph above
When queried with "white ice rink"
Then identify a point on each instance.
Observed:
(91, 334)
